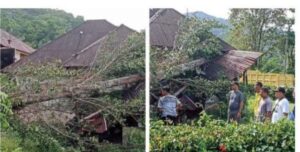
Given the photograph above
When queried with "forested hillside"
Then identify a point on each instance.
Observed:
(271, 32)
(37, 26)
(220, 32)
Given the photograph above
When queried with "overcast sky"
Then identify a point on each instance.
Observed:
(134, 13)
(136, 18)
(221, 13)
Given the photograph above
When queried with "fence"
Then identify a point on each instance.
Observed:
(270, 79)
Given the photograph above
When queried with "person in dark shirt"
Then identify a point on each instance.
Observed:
(236, 103)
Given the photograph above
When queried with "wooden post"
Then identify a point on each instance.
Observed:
(244, 77)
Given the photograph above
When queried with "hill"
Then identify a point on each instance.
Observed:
(220, 32)
(37, 26)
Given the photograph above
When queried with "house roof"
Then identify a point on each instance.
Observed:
(164, 24)
(232, 64)
(88, 55)
(76, 47)
(9, 41)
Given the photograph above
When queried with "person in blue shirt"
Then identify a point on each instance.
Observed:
(292, 114)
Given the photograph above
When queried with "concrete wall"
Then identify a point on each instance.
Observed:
(19, 55)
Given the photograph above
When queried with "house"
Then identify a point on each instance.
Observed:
(78, 48)
(82, 47)
(164, 24)
(12, 49)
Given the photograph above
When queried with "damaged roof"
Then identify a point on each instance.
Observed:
(164, 24)
(232, 64)
(78, 47)
(9, 41)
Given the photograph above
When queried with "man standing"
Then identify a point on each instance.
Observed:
(168, 105)
(281, 108)
(292, 114)
(258, 86)
(236, 103)
(265, 106)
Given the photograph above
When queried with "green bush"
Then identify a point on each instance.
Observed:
(5, 110)
(209, 135)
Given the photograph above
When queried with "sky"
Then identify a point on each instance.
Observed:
(135, 18)
(217, 12)
(134, 13)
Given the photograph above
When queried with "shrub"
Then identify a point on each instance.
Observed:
(212, 135)
(5, 110)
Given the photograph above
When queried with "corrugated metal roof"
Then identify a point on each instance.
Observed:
(238, 60)
(232, 64)
(10, 41)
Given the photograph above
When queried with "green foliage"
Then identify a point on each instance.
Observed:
(265, 30)
(10, 143)
(37, 26)
(6, 83)
(5, 110)
(115, 109)
(195, 38)
(200, 87)
(209, 135)
(132, 59)
(134, 136)
(31, 138)
(42, 72)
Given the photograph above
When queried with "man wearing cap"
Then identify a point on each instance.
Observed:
(168, 105)
(281, 108)
(236, 103)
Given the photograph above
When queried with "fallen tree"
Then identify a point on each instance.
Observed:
(112, 87)
(78, 90)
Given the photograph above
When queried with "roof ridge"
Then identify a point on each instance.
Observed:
(156, 14)
(95, 42)
(69, 32)
(17, 39)
(37, 50)
(85, 22)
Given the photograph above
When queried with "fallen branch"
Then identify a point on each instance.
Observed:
(80, 90)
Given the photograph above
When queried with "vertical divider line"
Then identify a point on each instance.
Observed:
(147, 63)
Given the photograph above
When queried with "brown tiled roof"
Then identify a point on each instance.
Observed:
(82, 42)
(164, 25)
(9, 41)
(88, 55)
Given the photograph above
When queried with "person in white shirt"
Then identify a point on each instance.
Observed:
(168, 105)
(281, 108)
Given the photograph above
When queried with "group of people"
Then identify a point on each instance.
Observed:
(168, 105)
(263, 105)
